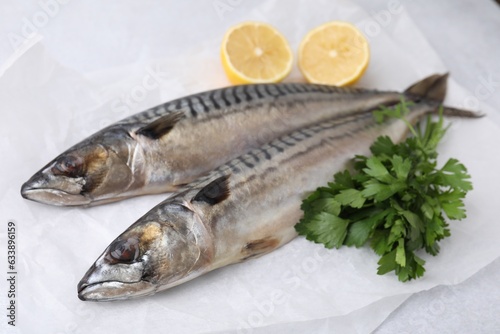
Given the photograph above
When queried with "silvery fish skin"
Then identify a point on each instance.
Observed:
(244, 209)
(163, 148)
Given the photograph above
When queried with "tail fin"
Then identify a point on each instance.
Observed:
(431, 88)
(455, 112)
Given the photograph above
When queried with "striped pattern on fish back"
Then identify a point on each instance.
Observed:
(277, 153)
(281, 150)
(236, 98)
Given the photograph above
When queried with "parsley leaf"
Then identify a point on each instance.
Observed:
(327, 229)
(396, 200)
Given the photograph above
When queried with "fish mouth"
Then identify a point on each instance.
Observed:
(52, 196)
(114, 290)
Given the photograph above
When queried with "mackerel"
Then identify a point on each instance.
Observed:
(243, 209)
(168, 146)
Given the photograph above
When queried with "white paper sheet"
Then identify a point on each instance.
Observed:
(47, 107)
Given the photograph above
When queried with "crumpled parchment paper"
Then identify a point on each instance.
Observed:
(47, 107)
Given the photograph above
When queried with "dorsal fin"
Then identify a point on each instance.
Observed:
(214, 192)
(161, 126)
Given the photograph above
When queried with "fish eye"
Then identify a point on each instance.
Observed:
(69, 166)
(124, 251)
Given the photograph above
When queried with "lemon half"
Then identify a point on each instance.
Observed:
(335, 53)
(254, 52)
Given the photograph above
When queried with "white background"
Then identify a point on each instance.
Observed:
(83, 67)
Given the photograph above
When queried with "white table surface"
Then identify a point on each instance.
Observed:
(464, 33)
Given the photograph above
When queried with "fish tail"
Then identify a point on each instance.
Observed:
(456, 112)
(431, 88)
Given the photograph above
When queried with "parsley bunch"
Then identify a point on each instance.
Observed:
(395, 200)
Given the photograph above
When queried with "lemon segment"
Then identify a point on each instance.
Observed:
(254, 52)
(335, 53)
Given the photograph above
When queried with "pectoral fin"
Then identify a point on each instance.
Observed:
(161, 126)
(214, 192)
